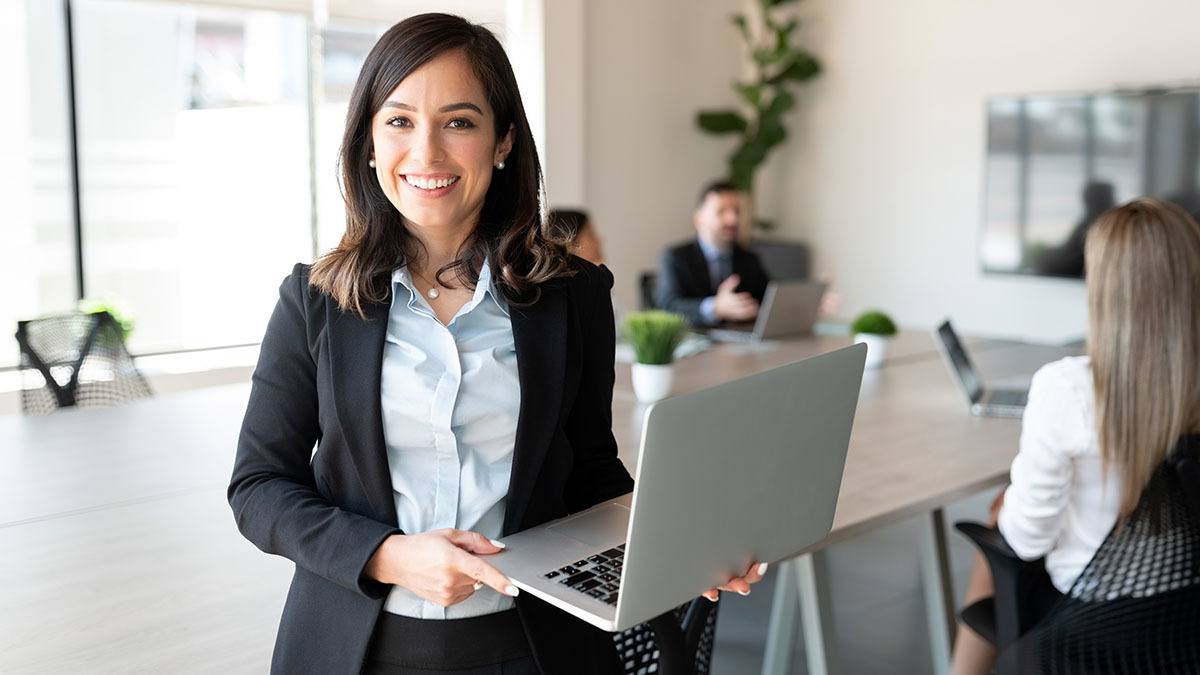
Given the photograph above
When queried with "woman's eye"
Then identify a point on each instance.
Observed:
(399, 122)
(460, 123)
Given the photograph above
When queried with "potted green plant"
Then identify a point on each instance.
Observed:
(874, 329)
(654, 335)
(778, 65)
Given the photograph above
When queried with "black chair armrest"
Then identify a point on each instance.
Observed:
(987, 539)
(1013, 579)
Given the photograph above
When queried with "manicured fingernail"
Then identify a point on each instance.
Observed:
(743, 592)
(762, 569)
(511, 590)
(710, 599)
(497, 544)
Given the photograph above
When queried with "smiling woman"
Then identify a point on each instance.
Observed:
(453, 365)
(436, 113)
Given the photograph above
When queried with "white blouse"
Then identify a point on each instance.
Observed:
(1060, 503)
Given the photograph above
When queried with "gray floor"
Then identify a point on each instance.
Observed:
(878, 608)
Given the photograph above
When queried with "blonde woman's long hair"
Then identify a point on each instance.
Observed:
(1143, 280)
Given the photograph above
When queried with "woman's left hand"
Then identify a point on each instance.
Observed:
(739, 585)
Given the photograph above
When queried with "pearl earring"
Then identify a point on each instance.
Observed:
(500, 165)
(371, 163)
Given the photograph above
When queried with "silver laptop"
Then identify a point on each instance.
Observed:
(746, 471)
(983, 400)
(788, 308)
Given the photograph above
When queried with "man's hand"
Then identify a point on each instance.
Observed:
(441, 566)
(729, 305)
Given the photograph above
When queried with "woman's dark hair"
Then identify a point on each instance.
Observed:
(522, 249)
(569, 223)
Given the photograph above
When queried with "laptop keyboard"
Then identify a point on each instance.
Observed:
(599, 576)
(1008, 397)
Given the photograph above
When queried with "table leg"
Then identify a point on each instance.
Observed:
(937, 584)
(781, 631)
(802, 589)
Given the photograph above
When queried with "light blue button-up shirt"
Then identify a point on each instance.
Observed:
(450, 398)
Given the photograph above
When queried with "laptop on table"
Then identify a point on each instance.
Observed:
(984, 401)
(747, 471)
(788, 308)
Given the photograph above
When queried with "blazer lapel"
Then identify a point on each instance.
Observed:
(698, 267)
(356, 354)
(540, 337)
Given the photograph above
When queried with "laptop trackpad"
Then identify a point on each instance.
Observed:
(607, 524)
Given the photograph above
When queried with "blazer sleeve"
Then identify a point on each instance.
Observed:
(272, 491)
(597, 473)
(669, 290)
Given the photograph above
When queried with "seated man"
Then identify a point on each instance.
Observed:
(712, 279)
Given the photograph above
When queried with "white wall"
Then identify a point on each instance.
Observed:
(649, 67)
(884, 171)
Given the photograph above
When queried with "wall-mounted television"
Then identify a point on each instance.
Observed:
(1056, 162)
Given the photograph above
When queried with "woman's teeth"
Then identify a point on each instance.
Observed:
(430, 184)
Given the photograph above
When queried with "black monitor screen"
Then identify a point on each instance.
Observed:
(1055, 163)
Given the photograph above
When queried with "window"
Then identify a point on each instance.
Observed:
(207, 165)
(37, 236)
(194, 166)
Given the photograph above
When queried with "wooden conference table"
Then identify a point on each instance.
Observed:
(118, 552)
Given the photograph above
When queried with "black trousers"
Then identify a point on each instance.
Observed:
(494, 644)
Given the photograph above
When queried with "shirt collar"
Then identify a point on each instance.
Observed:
(486, 285)
(711, 252)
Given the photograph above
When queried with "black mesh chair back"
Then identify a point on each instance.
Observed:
(1135, 608)
(679, 642)
(76, 359)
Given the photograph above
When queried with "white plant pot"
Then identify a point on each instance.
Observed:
(877, 348)
(652, 383)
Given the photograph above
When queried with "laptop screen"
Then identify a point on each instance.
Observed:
(961, 363)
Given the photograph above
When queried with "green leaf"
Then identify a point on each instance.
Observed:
(750, 93)
(782, 103)
(745, 161)
(800, 67)
(771, 135)
(766, 57)
(721, 121)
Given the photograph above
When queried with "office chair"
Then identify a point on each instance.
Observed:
(1135, 608)
(679, 642)
(76, 359)
(647, 285)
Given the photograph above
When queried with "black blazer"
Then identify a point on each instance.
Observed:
(317, 382)
(683, 279)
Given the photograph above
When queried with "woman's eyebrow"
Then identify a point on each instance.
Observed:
(462, 105)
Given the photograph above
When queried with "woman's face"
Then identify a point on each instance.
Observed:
(435, 146)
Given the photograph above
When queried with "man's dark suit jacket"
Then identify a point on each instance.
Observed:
(683, 279)
(317, 381)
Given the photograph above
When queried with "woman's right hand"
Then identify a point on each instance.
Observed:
(441, 566)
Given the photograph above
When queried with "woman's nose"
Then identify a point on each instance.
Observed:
(427, 147)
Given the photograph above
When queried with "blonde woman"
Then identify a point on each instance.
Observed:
(1096, 427)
